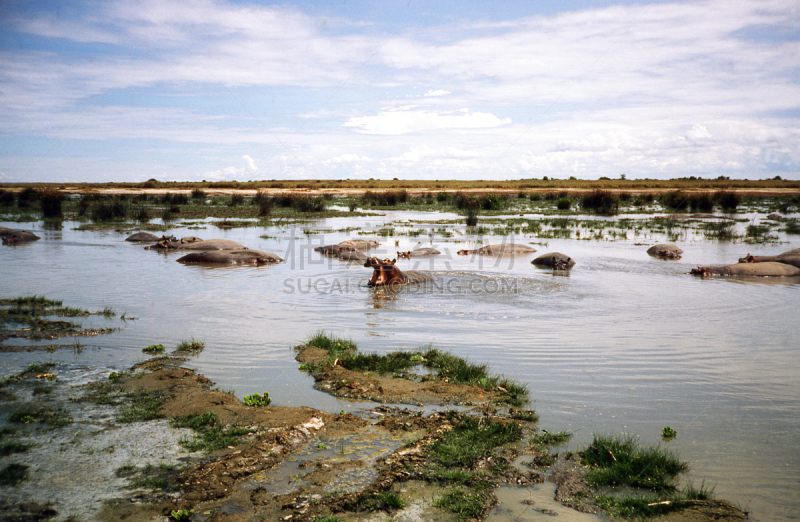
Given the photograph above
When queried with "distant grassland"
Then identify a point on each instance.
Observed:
(760, 187)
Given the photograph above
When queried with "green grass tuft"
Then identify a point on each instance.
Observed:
(472, 439)
(465, 505)
(210, 434)
(620, 461)
(546, 439)
(13, 474)
(191, 346)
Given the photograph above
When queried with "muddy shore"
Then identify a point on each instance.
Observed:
(279, 463)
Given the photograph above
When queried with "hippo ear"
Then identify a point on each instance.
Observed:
(394, 261)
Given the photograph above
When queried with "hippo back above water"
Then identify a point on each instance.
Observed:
(665, 251)
(195, 243)
(147, 237)
(554, 260)
(792, 257)
(504, 249)
(764, 269)
(419, 252)
(11, 236)
(230, 257)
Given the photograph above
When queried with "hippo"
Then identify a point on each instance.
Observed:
(329, 250)
(665, 251)
(230, 257)
(505, 249)
(351, 254)
(11, 236)
(386, 273)
(145, 236)
(555, 260)
(765, 269)
(193, 243)
(419, 252)
(792, 257)
(775, 216)
(361, 244)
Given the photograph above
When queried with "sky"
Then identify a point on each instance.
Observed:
(129, 90)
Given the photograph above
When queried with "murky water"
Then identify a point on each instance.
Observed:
(624, 343)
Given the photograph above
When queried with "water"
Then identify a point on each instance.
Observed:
(622, 344)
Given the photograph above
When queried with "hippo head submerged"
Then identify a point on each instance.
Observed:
(404, 255)
(384, 272)
(747, 259)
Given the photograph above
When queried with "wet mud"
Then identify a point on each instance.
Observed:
(282, 463)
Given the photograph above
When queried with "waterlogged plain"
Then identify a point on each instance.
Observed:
(617, 344)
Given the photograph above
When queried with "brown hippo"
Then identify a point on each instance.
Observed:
(765, 269)
(504, 249)
(351, 254)
(386, 273)
(792, 257)
(193, 243)
(361, 244)
(11, 236)
(146, 236)
(665, 251)
(230, 257)
(556, 261)
(419, 252)
(329, 250)
(775, 217)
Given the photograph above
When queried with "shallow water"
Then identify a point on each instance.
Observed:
(623, 343)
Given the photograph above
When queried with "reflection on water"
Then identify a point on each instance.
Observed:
(622, 343)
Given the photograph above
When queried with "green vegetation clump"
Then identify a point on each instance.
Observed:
(467, 506)
(564, 203)
(545, 439)
(6, 198)
(668, 433)
(675, 200)
(140, 406)
(383, 501)
(51, 199)
(54, 416)
(620, 461)
(793, 226)
(471, 440)
(191, 346)
(181, 515)
(198, 193)
(154, 348)
(384, 199)
(210, 434)
(257, 400)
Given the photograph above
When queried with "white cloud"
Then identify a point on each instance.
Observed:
(251, 164)
(437, 92)
(388, 122)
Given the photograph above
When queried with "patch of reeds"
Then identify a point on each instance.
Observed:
(236, 199)
(6, 198)
(389, 198)
(601, 202)
(620, 461)
(140, 406)
(190, 346)
(383, 501)
(50, 200)
(675, 200)
(564, 203)
(198, 194)
(465, 201)
(108, 209)
(727, 200)
(701, 202)
(472, 217)
(792, 226)
(27, 196)
(13, 474)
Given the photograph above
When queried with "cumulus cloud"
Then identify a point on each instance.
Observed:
(437, 92)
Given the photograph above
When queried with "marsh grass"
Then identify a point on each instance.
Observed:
(645, 506)
(210, 435)
(8, 448)
(621, 461)
(466, 506)
(546, 439)
(54, 416)
(140, 406)
(471, 440)
(190, 346)
(792, 226)
(719, 230)
(383, 501)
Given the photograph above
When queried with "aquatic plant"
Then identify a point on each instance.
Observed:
(257, 400)
(51, 199)
(668, 433)
(154, 348)
(191, 346)
(564, 203)
(210, 435)
(181, 515)
(621, 461)
(600, 201)
(728, 200)
(13, 474)
(470, 440)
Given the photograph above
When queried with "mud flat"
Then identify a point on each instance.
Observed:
(160, 442)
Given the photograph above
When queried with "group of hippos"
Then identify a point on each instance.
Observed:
(386, 272)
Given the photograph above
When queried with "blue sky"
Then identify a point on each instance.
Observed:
(120, 90)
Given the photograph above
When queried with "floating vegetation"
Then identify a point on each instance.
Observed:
(546, 439)
(257, 400)
(31, 317)
(190, 347)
